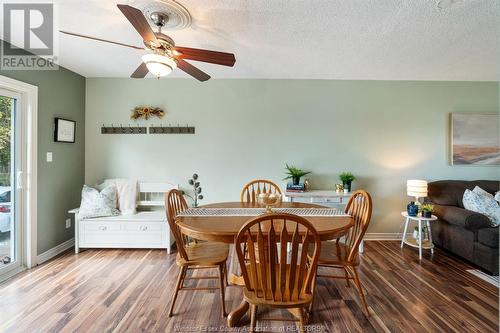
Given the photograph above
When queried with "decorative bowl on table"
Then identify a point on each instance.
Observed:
(269, 200)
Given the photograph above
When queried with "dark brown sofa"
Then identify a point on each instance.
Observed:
(462, 232)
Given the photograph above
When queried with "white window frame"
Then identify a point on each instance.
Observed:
(27, 108)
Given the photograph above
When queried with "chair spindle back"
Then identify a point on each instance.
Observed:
(175, 203)
(270, 271)
(252, 190)
(360, 208)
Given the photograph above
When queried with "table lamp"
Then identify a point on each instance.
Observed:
(416, 188)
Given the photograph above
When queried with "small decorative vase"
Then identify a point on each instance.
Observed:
(307, 185)
(415, 235)
(412, 209)
(296, 180)
(347, 186)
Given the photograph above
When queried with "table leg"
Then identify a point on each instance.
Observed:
(404, 232)
(429, 232)
(420, 239)
(234, 316)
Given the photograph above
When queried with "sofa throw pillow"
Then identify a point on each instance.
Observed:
(497, 197)
(483, 205)
(480, 191)
(97, 203)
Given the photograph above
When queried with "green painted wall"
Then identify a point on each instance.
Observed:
(384, 132)
(61, 93)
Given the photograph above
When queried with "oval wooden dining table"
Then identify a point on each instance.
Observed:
(224, 228)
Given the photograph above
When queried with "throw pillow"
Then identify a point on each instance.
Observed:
(480, 191)
(497, 197)
(482, 204)
(126, 190)
(98, 204)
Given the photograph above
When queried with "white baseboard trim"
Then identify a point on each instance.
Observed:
(383, 236)
(49, 254)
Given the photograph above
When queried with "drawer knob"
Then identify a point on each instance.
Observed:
(144, 228)
(103, 227)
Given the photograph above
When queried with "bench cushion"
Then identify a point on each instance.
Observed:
(149, 216)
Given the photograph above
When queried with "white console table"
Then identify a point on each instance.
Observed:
(322, 197)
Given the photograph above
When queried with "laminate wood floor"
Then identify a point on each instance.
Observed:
(130, 291)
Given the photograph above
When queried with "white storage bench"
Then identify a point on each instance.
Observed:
(146, 229)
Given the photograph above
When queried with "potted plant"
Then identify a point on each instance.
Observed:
(196, 190)
(295, 174)
(347, 178)
(426, 210)
(415, 233)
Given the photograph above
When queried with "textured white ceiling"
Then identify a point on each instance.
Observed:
(318, 39)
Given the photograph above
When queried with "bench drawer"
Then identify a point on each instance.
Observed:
(144, 227)
(124, 234)
(101, 226)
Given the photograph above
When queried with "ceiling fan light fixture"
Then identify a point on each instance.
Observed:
(158, 64)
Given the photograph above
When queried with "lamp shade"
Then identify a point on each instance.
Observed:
(416, 188)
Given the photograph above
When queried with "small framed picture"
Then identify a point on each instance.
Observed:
(64, 130)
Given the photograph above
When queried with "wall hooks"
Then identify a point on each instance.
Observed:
(172, 129)
(159, 129)
(123, 130)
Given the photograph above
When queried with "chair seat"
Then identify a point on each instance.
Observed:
(252, 298)
(334, 253)
(204, 254)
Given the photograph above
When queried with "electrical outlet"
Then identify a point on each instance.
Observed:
(68, 223)
(49, 156)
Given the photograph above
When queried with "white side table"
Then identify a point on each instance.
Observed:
(420, 244)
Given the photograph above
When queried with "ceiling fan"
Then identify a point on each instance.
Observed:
(165, 56)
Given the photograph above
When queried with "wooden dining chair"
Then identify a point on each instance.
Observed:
(274, 277)
(192, 256)
(251, 191)
(343, 254)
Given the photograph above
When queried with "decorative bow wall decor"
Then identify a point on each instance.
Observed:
(146, 112)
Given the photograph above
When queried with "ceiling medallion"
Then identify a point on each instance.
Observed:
(177, 16)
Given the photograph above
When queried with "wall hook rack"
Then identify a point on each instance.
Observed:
(172, 129)
(128, 129)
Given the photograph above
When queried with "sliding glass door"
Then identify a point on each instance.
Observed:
(10, 187)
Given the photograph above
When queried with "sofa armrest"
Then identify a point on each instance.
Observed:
(461, 217)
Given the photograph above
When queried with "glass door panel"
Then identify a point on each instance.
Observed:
(9, 229)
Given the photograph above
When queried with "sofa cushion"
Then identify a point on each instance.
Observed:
(488, 237)
(461, 217)
(486, 257)
(450, 192)
(455, 239)
(484, 205)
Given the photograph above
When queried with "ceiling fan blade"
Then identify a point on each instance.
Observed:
(213, 57)
(137, 19)
(193, 71)
(100, 40)
(140, 72)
